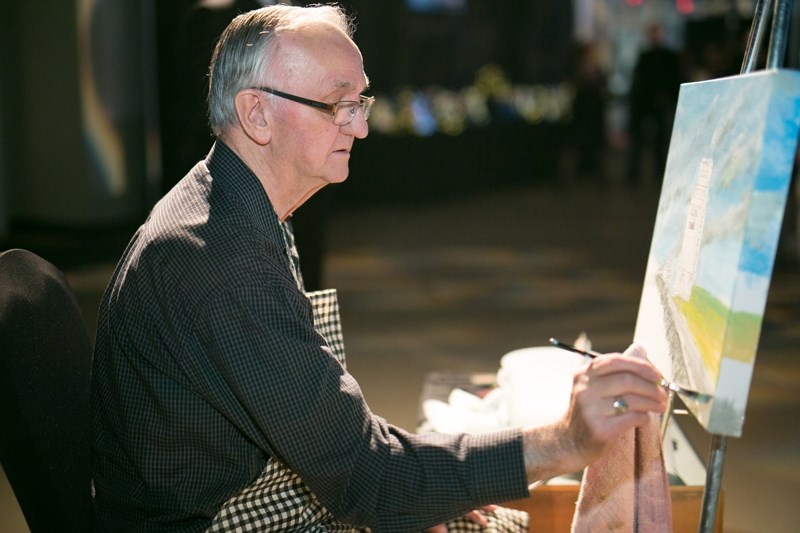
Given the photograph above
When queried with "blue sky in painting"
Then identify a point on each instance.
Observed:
(747, 125)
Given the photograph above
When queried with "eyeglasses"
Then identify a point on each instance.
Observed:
(343, 112)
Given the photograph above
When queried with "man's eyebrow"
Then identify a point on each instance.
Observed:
(345, 84)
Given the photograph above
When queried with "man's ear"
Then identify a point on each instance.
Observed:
(253, 117)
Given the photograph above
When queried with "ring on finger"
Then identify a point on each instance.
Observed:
(620, 406)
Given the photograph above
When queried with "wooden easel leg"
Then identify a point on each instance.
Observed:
(716, 460)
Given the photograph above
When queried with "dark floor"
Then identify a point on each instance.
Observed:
(453, 285)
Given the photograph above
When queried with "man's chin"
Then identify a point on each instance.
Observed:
(338, 178)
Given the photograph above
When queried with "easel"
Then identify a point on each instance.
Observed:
(781, 16)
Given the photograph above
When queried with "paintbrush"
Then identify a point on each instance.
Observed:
(697, 396)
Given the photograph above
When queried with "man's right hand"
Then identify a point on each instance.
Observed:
(592, 421)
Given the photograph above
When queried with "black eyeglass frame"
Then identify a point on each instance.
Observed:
(364, 102)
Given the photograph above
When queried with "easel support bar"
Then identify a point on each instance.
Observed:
(781, 17)
(780, 31)
(716, 459)
(756, 36)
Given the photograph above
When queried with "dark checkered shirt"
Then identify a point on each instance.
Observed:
(207, 363)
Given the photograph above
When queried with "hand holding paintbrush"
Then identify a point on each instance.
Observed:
(683, 391)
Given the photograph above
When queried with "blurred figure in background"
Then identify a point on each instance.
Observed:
(652, 99)
(588, 125)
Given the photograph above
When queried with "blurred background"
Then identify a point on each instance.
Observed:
(505, 194)
(103, 101)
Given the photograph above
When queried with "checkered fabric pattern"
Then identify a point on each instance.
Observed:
(326, 320)
(279, 500)
(291, 253)
(501, 520)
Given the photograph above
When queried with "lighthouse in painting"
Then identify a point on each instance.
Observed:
(693, 232)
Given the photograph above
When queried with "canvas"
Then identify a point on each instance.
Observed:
(728, 171)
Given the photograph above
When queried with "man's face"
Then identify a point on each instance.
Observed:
(306, 147)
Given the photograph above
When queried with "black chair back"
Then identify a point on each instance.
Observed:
(45, 364)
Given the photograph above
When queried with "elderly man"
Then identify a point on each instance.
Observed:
(220, 396)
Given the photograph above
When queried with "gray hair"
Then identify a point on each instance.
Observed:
(242, 56)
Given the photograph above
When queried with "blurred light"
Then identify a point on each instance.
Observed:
(424, 123)
(492, 98)
(436, 6)
(634, 2)
(684, 7)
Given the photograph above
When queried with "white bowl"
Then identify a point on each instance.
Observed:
(538, 383)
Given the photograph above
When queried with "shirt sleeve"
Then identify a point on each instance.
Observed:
(260, 359)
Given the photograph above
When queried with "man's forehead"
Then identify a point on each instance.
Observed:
(316, 35)
(334, 59)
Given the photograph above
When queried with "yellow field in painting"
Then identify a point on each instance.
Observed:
(717, 330)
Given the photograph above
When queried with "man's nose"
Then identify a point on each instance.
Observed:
(359, 127)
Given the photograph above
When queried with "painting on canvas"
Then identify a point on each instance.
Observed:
(715, 237)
